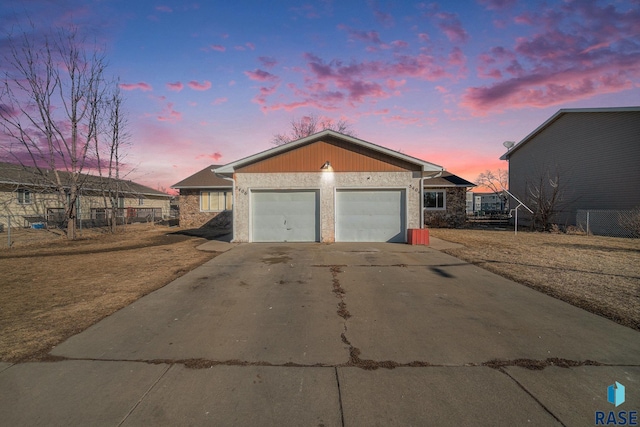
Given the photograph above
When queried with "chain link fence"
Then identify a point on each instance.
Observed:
(24, 229)
(613, 223)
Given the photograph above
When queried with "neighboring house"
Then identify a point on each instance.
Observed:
(203, 196)
(327, 187)
(592, 156)
(488, 203)
(445, 200)
(26, 198)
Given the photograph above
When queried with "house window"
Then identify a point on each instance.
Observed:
(434, 200)
(24, 197)
(140, 201)
(215, 201)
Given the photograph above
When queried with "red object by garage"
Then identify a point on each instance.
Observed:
(418, 236)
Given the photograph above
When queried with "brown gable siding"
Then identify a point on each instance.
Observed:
(344, 157)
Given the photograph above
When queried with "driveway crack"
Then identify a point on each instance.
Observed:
(144, 395)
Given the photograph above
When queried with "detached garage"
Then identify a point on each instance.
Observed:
(327, 187)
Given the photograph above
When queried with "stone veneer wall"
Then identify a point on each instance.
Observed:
(190, 214)
(455, 214)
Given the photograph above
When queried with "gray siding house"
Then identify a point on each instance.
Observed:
(592, 156)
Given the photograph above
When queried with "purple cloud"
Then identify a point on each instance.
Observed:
(364, 36)
(176, 87)
(267, 61)
(452, 27)
(260, 75)
(497, 4)
(133, 86)
(205, 85)
(577, 51)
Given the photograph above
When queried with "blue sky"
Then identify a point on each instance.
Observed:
(448, 82)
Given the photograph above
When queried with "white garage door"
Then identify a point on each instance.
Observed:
(370, 216)
(285, 216)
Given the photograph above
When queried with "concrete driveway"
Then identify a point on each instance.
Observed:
(340, 334)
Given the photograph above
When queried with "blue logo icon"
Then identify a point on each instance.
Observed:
(615, 394)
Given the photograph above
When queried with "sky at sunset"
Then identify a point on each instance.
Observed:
(448, 82)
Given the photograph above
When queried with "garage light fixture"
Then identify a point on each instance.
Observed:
(326, 166)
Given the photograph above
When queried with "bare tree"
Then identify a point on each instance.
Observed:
(497, 182)
(109, 153)
(308, 125)
(545, 196)
(50, 106)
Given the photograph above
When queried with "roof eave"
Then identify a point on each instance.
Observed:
(557, 115)
(231, 167)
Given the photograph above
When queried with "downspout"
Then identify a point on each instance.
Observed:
(422, 178)
(233, 207)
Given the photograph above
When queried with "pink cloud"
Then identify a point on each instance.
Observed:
(424, 37)
(205, 85)
(218, 48)
(260, 75)
(164, 8)
(250, 46)
(330, 85)
(267, 61)
(219, 101)
(399, 44)
(394, 84)
(543, 90)
(215, 156)
(176, 87)
(169, 114)
(133, 86)
(363, 36)
(452, 27)
(401, 120)
(524, 19)
(553, 67)
(497, 4)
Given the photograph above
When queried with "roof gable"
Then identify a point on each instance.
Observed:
(349, 152)
(558, 115)
(204, 178)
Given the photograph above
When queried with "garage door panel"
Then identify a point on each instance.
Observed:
(370, 216)
(285, 216)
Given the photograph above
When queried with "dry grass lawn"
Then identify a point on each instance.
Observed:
(598, 274)
(57, 288)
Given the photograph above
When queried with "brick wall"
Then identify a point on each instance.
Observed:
(455, 214)
(190, 214)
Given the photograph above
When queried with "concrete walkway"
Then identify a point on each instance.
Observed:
(340, 334)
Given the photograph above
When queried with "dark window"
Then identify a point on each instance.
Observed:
(24, 197)
(434, 200)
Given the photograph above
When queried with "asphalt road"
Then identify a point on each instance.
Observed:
(340, 334)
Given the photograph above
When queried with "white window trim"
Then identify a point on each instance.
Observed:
(23, 193)
(444, 200)
(226, 192)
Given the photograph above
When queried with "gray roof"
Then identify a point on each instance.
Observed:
(427, 167)
(559, 114)
(19, 175)
(447, 179)
(204, 179)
